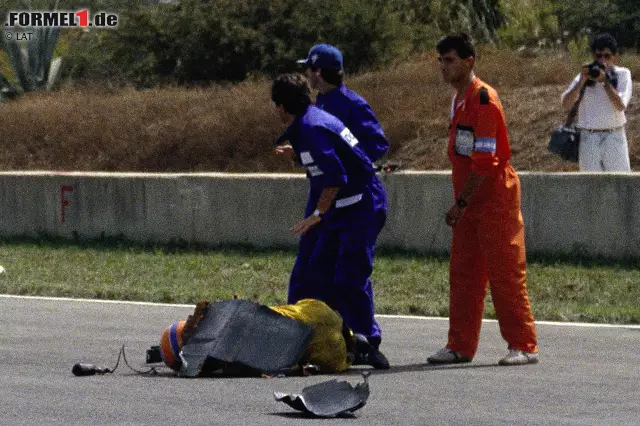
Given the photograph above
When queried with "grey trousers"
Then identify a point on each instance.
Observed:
(604, 151)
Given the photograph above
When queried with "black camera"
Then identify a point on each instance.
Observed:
(154, 355)
(595, 68)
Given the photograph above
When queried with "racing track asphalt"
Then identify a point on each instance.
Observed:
(586, 375)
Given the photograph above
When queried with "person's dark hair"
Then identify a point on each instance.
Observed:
(604, 41)
(461, 43)
(291, 90)
(334, 77)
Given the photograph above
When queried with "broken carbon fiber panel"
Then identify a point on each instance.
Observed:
(243, 335)
(328, 399)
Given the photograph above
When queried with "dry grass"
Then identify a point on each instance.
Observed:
(232, 128)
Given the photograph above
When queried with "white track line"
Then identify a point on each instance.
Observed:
(69, 299)
(564, 324)
(128, 302)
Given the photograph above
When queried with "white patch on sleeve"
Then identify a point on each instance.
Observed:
(486, 145)
(306, 157)
(348, 137)
(315, 171)
(464, 142)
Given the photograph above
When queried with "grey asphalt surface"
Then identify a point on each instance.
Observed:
(587, 375)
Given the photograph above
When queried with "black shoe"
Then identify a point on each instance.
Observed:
(377, 360)
(366, 354)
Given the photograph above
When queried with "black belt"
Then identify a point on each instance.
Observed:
(612, 129)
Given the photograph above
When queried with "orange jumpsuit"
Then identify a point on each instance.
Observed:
(488, 241)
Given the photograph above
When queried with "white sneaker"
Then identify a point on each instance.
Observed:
(447, 356)
(518, 357)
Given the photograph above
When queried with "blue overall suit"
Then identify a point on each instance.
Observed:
(354, 111)
(335, 264)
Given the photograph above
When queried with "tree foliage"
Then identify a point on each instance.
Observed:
(212, 40)
(201, 41)
(528, 22)
(621, 18)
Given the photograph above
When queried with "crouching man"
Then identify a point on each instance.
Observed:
(346, 210)
(239, 337)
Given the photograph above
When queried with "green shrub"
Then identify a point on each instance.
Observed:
(204, 41)
(579, 48)
(529, 23)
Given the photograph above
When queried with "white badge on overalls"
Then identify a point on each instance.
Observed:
(464, 140)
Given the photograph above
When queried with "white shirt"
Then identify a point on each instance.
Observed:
(596, 111)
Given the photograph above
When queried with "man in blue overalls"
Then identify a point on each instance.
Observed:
(347, 208)
(324, 69)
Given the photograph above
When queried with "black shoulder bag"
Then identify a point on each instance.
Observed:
(565, 140)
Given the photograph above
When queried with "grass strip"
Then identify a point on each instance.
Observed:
(405, 283)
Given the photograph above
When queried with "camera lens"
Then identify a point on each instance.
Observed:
(594, 69)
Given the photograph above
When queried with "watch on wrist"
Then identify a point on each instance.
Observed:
(460, 203)
(318, 213)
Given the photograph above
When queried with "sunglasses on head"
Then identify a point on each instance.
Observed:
(603, 55)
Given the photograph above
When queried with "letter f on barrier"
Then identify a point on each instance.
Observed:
(64, 203)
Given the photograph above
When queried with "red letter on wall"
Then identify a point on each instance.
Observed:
(63, 202)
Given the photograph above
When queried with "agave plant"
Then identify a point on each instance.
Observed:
(32, 60)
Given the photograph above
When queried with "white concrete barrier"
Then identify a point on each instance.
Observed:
(592, 214)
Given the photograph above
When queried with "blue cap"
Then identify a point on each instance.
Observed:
(323, 56)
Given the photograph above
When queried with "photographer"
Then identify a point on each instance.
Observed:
(601, 118)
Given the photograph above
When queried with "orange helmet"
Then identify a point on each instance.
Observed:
(171, 344)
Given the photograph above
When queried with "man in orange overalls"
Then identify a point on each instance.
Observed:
(488, 230)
